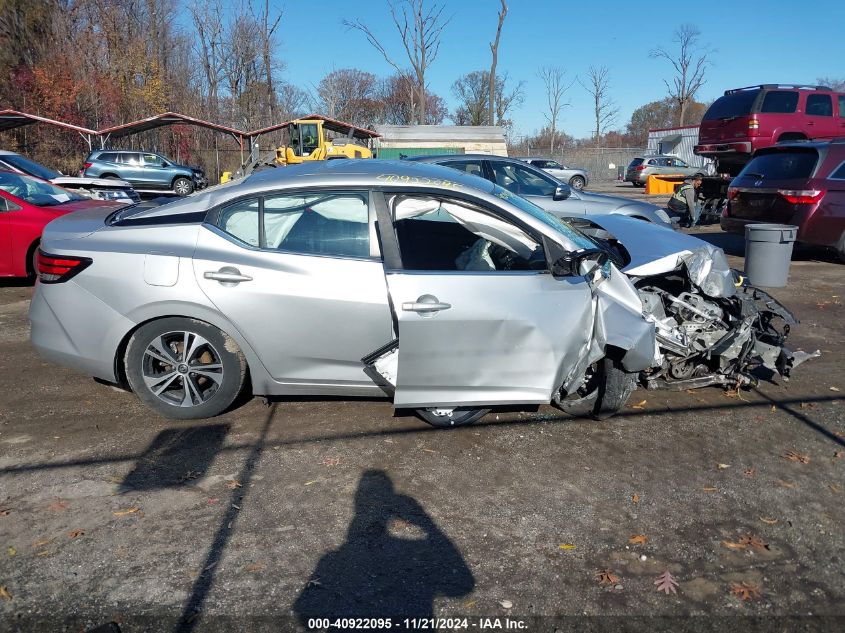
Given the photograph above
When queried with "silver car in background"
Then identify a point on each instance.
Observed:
(641, 167)
(574, 176)
(556, 197)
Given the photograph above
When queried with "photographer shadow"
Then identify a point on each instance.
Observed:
(394, 563)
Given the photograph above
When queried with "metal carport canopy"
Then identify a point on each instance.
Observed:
(13, 119)
(168, 118)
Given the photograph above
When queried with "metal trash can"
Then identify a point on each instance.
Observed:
(768, 253)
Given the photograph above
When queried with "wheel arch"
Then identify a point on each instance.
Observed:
(257, 375)
(29, 266)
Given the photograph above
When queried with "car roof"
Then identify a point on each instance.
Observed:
(329, 173)
(438, 157)
(5, 152)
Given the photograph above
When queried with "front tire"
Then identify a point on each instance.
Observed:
(450, 418)
(183, 186)
(184, 369)
(577, 182)
(606, 391)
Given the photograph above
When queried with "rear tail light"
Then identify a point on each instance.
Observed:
(801, 196)
(87, 165)
(56, 269)
(733, 192)
(753, 124)
(639, 168)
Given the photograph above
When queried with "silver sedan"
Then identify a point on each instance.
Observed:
(574, 176)
(442, 291)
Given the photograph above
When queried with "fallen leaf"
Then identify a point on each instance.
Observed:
(638, 539)
(748, 472)
(732, 545)
(774, 408)
(607, 577)
(4, 512)
(635, 498)
(231, 484)
(710, 489)
(128, 511)
(314, 582)
(331, 461)
(313, 481)
(58, 506)
(666, 582)
(42, 542)
(786, 484)
(469, 604)
(566, 546)
(76, 533)
(835, 487)
(768, 520)
(506, 604)
(745, 590)
(797, 457)
(745, 541)
(255, 567)
(838, 454)
(43, 552)
(212, 500)
(834, 388)
(429, 450)
(4, 593)
(640, 405)
(12, 551)
(722, 466)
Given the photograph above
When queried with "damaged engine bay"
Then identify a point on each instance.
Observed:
(711, 327)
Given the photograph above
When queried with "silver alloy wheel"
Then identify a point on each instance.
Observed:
(577, 183)
(183, 187)
(182, 369)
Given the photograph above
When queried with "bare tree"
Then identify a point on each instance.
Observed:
(494, 49)
(604, 109)
(207, 17)
(420, 28)
(349, 94)
(267, 35)
(554, 78)
(833, 83)
(690, 62)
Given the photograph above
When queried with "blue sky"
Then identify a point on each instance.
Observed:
(752, 44)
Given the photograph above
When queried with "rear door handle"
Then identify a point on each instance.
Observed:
(227, 275)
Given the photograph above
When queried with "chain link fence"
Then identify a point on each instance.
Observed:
(601, 163)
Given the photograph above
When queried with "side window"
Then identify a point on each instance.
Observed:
(652, 162)
(469, 166)
(819, 105)
(152, 159)
(240, 220)
(839, 174)
(780, 101)
(521, 180)
(109, 157)
(842, 106)
(330, 223)
(131, 158)
(448, 235)
(680, 163)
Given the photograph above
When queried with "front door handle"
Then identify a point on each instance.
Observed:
(425, 305)
(227, 275)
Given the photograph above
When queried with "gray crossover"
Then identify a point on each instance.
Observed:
(445, 292)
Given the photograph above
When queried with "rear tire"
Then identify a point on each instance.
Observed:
(577, 182)
(445, 418)
(201, 383)
(840, 249)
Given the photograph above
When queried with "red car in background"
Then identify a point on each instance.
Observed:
(26, 206)
(798, 183)
(744, 120)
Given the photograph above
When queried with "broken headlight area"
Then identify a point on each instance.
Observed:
(705, 340)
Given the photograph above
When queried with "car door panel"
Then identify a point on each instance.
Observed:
(5, 239)
(309, 318)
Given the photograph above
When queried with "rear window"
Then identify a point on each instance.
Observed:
(780, 101)
(635, 162)
(732, 105)
(782, 165)
(108, 157)
(29, 167)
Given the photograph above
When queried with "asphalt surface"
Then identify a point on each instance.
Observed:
(270, 515)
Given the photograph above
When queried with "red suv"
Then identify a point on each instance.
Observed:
(747, 119)
(799, 183)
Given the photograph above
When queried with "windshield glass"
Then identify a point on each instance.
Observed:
(36, 192)
(732, 105)
(30, 167)
(561, 226)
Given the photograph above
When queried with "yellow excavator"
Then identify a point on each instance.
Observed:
(308, 142)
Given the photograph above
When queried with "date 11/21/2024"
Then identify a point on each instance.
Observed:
(418, 624)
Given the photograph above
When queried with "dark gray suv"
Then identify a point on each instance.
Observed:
(145, 170)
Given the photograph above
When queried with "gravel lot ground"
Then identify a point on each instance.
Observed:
(270, 515)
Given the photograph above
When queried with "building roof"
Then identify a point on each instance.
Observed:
(11, 119)
(334, 125)
(674, 129)
(160, 120)
(442, 133)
